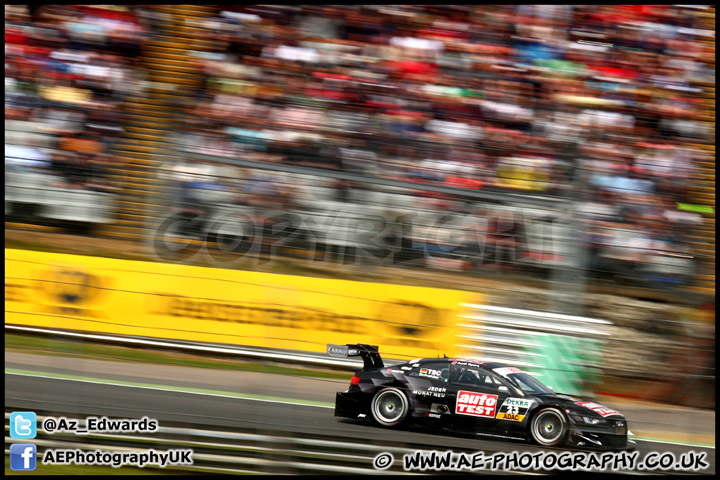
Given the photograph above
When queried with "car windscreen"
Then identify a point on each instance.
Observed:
(526, 383)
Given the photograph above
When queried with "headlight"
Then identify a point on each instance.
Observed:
(594, 421)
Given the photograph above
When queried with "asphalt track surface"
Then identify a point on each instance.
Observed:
(277, 404)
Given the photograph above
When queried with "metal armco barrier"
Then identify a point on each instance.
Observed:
(300, 358)
(561, 350)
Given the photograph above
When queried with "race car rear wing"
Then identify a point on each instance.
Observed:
(369, 353)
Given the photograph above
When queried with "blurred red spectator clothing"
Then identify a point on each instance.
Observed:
(379, 104)
(332, 89)
(608, 18)
(464, 183)
(426, 193)
(331, 76)
(413, 67)
(629, 13)
(618, 169)
(615, 72)
(112, 14)
(37, 51)
(622, 15)
(14, 36)
(63, 76)
(543, 256)
(655, 12)
(693, 101)
(326, 93)
(435, 32)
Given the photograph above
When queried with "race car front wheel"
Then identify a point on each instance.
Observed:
(548, 427)
(390, 407)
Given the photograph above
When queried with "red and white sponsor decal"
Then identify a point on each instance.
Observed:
(505, 371)
(597, 408)
(476, 404)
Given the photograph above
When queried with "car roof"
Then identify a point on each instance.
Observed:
(470, 361)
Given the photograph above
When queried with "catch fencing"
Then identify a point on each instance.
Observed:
(562, 350)
(241, 204)
(30, 194)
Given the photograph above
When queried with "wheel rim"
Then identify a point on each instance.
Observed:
(548, 427)
(389, 407)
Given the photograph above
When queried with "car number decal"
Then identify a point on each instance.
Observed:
(514, 409)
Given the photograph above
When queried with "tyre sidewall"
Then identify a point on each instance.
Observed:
(406, 405)
(536, 419)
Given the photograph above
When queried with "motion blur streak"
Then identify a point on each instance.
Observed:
(548, 158)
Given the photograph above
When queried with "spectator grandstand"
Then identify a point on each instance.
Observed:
(610, 108)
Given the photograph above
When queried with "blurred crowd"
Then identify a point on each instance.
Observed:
(596, 104)
(68, 72)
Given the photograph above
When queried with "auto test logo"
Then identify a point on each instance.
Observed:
(476, 404)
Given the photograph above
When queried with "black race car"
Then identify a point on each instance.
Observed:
(471, 396)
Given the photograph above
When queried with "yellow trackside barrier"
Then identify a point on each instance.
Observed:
(215, 305)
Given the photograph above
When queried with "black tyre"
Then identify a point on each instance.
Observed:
(548, 427)
(390, 407)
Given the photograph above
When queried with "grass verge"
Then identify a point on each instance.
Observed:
(45, 345)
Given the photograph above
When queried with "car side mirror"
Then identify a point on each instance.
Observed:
(503, 388)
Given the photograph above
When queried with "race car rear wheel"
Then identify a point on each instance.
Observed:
(390, 407)
(548, 427)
